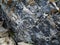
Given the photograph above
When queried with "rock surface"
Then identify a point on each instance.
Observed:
(32, 21)
(4, 38)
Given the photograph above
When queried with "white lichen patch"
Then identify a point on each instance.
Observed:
(4, 39)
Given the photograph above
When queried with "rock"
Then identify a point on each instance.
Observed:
(2, 30)
(4, 39)
(34, 23)
(22, 43)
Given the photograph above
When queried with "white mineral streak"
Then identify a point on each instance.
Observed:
(22, 43)
(27, 10)
(45, 15)
(55, 5)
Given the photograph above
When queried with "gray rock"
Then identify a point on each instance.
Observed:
(32, 23)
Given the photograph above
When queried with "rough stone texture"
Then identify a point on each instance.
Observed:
(32, 21)
(22, 43)
(4, 39)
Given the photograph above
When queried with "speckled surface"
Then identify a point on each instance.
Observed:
(35, 22)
